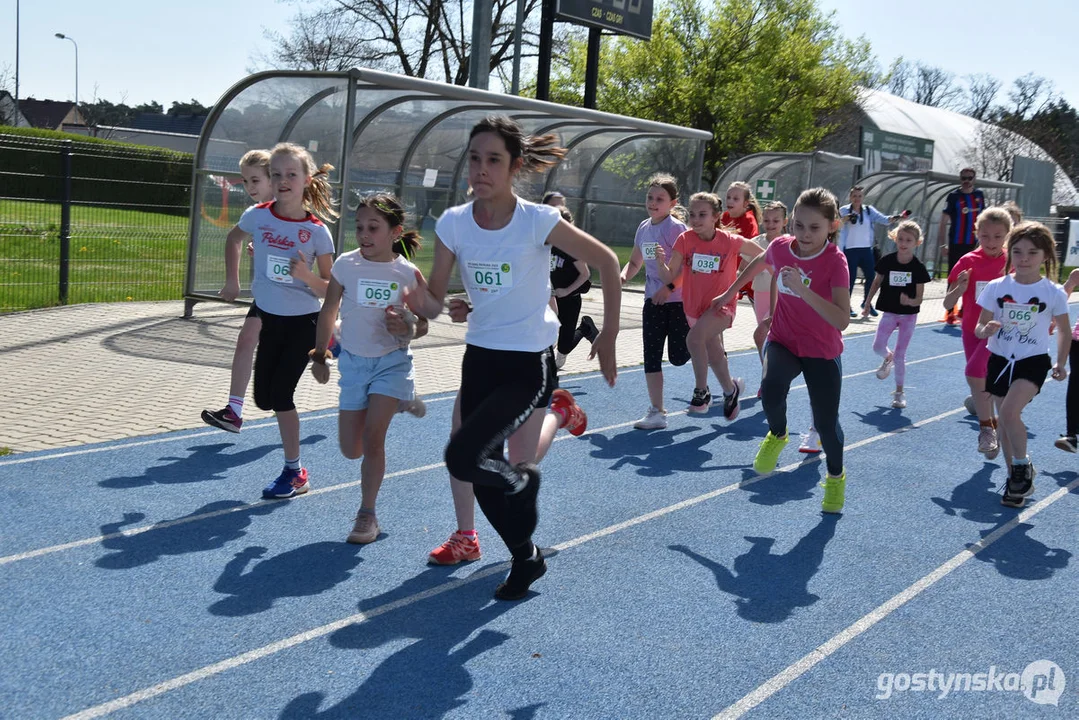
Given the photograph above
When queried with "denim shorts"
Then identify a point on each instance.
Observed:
(390, 375)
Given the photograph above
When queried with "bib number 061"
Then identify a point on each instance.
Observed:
(488, 277)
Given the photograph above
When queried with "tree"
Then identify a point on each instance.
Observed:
(760, 76)
(935, 87)
(420, 38)
(982, 90)
(187, 108)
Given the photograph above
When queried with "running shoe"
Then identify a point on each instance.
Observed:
(588, 329)
(701, 402)
(987, 442)
(835, 489)
(224, 419)
(810, 443)
(415, 407)
(1020, 485)
(459, 548)
(969, 405)
(522, 574)
(365, 529)
(885, 368)
(288, 484)
(573, 416)
(768, 453)
(730, 402)
(899, 400)
(1067, 443)
(654, 419)
(559, 360)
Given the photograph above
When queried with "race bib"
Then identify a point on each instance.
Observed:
(782, 287)
(277, 269)
(489, 277)
(377, 293)
(1019, 316)
(899, 279)
(648, 250)
(978, 287)
(705, 263)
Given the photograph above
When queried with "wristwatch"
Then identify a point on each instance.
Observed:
(671, 287)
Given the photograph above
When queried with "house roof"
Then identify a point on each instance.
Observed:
(158, 122)
(45, 113)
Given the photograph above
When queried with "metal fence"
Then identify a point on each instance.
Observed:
(90, 222)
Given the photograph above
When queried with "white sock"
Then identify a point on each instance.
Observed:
(237, 405)
(292, 464)
(1021, 461)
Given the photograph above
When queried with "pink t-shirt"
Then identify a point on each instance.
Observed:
(709, 267)
(795, 325)
(983, 268)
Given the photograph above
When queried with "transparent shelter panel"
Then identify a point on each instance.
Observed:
(222, 201)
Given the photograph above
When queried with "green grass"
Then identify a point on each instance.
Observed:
(5, 450)
(116, 255)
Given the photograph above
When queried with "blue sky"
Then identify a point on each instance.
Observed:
(142, 50)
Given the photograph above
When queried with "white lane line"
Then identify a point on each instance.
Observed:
(294, 640)
(7, 559)
(794, 671)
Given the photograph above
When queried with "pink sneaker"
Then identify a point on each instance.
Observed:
(459, 548)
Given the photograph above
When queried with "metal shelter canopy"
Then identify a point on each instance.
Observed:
(791, 172)
(923, 193)
(382, 131)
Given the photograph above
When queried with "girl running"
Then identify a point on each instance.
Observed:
(375, 364)
(707, 261)
(287, 237)
(255, 171)
(901, 279)
(805, 334)
(968, 277)
(743, 213)
(570, 278)
(501, 242)
(1067, 442)
(663, 318)
(1016, 313)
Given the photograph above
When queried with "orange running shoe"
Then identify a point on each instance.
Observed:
(573, 417)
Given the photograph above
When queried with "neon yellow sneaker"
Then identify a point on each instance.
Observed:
(768, 454)
(834, 492)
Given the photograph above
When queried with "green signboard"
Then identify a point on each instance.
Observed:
(884, 151)
(625, 17)
(765, 190)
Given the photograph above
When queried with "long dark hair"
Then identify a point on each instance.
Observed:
(389, 207)
(538, 152)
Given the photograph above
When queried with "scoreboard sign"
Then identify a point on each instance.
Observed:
(625, 17)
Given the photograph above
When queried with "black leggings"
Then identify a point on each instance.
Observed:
(499, 391)
(824, 380)
(569, 312)
(666, 322)
(284, 342)
(1073, 390)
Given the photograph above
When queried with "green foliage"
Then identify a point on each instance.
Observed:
(759, 74)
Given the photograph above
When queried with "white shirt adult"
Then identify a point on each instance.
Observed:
(506, 273)
(856, 229)
(276, 241)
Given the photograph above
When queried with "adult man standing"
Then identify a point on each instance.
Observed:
(961, 209)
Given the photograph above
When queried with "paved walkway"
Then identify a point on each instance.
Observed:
(91, 373)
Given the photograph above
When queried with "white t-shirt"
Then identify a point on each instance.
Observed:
(859, 234)
(506, 273)
(277, 240)
(1025, 313)
(370, 287)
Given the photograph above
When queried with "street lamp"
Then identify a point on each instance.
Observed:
(68, 37)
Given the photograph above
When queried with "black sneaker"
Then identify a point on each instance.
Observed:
(588, 329)
(702, 400)
(1020, 486)
(224, 419)
(1067, 443)
(522, 574)
(730, 402)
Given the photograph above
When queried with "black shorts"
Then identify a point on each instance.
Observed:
(999, 376)
(253, 312)
(664, 323)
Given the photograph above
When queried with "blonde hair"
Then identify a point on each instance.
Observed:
(1042, 239)
(907, 226)
(256, 158)
(1014, 210)
(711, 198)
(994, 214)
(754, 206)
(317, 195)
